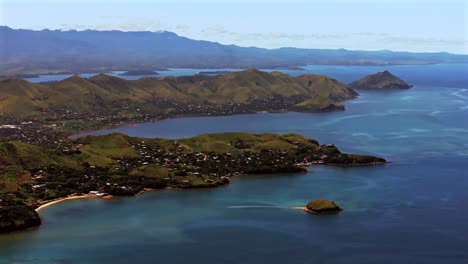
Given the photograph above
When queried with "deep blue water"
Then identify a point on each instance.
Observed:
(413, 210)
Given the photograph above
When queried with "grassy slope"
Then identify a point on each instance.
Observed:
(236, 142)
(21, 98)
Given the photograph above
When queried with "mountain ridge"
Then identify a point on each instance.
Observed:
(24, 51)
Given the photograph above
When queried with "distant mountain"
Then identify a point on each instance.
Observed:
(49, 51)
(104, 95)
(380, 81)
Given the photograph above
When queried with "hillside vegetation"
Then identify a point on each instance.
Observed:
(249, 90)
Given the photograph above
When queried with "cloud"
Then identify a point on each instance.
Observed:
(425, 41)
(216, 31)
(125, 24)
(254, 36)
(352, 40)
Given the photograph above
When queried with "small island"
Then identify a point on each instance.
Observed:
(322, 207)
(138, 73)
(380, 81)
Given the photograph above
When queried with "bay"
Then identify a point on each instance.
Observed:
(413, 210)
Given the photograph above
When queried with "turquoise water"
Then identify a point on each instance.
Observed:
(413, 210)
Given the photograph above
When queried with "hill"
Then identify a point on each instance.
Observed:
(52, 51)
(380, 81)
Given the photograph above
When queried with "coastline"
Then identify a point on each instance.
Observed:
(110, 126)
(91, 196)
(355, 165)
(107, 197)
(72, 197)
(84, 133)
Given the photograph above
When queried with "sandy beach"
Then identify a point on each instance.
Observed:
(73, 197)
(298, 208)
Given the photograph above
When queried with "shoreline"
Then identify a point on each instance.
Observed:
(86, 132)
(91, 196)
(72, 197)
(355, 165)
(303, 208)
(107, 197)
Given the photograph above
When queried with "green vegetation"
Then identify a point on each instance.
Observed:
(151, 171)
(16, 215)
(249, 90)
(322, 207)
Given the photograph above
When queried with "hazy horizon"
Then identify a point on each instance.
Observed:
(413, 26)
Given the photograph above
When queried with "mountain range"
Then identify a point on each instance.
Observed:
(53, 51)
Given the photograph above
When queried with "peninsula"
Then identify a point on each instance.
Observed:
(120, 165)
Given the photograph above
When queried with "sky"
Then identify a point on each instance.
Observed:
(411, 25)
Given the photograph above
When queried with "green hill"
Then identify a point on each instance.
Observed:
(103, 95)
(380, 81)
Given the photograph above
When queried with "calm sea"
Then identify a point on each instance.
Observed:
(413, 210)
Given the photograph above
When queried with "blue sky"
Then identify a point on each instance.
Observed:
(412, 25)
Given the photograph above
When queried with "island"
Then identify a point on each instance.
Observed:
(322, 207)
(380, 81)
(119, 165)
(138, 73)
